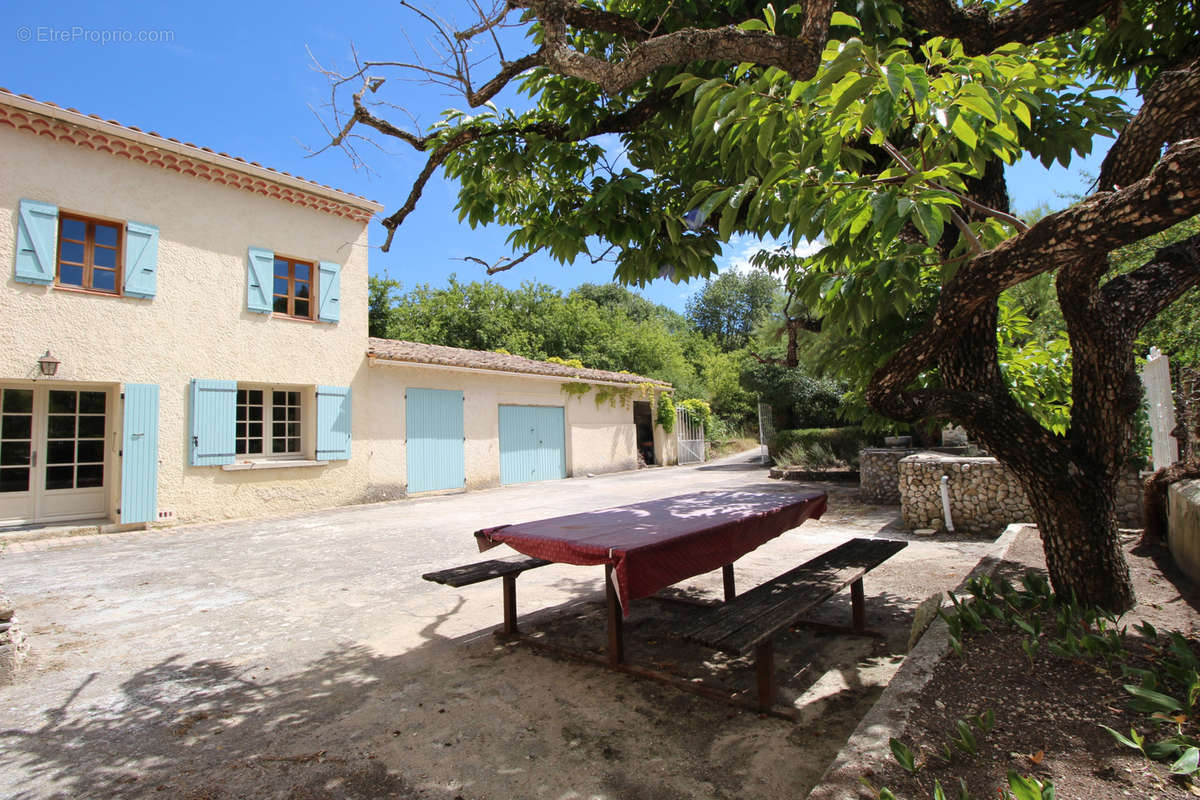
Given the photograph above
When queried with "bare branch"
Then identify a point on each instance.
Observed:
(502, 264)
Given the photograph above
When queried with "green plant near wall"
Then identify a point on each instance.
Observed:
(575, 388)
(701, 411)
(666, 413)
(613, 394)
(566, 362)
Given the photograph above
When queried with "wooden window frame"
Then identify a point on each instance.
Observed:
(268, 419)
(291, 292)
(89, 248)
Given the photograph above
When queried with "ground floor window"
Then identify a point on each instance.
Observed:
(269, 422)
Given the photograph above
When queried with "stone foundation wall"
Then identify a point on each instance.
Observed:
(985, 496)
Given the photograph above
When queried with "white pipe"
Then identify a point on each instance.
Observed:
(946, 503)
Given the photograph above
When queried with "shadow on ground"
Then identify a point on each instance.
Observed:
(463, 718)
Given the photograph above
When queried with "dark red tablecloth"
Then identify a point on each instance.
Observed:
(658, 543)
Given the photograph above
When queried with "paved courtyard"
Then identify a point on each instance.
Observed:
(303, 656)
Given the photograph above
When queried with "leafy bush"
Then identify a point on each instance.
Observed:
(666, 412)
(701, 412)
(815, 456)
(842, 443)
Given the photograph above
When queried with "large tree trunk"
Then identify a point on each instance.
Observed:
(1076, 516)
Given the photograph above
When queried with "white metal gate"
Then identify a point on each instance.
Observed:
(766, 428)
(690, 435)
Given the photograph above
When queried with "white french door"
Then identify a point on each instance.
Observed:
(53, 452)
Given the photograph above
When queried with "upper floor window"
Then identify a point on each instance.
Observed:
(89, 254)
(293, 288)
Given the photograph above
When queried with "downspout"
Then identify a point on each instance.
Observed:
(946, 503)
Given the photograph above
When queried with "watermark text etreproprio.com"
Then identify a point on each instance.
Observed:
(50, 34)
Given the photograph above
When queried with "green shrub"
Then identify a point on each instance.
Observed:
(666, 413)
(815, 456)
(842, 443)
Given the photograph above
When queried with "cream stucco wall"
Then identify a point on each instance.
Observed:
(197, 326)
(599, 437)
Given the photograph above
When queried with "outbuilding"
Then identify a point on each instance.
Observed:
(444, 418)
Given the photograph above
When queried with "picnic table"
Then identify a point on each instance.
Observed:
(648, 546)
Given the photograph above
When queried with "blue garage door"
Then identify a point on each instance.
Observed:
(533, 444)
(434, 430)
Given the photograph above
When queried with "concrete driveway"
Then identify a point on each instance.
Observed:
(302, 656)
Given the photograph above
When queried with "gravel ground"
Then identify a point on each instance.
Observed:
(303, 657)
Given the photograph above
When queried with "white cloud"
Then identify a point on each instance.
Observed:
(737, 253)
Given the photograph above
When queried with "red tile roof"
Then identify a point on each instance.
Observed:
(438, 355)
(23, 112)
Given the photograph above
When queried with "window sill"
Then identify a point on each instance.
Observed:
(274, 463)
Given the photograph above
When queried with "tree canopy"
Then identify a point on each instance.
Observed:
(880, 128)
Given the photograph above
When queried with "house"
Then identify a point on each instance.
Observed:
(477, 419)
(184, 337)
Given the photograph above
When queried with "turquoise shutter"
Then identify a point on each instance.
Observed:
(260, 277)
(37, 242)
(139, 454)
(333, 423)
(214, 406)
(329, 292)
(141, 259)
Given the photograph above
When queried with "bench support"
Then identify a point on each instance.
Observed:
(858, 606)
(727, 578)
(764, 665)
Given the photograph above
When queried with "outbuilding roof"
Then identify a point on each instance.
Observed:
(394, 350)
(23, 112)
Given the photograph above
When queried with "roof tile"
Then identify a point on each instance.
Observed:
(439, 355)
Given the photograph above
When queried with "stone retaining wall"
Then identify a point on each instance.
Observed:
(985, 497)
(879, 471)
(1183, 526)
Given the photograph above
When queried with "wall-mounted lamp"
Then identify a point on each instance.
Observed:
(48, 364)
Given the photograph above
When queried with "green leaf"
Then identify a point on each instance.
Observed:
(963, 131)
(1188, 763)
(852, 91)
(903, 755)
(895, 80)
(766, 135)
(846, 59)
(979, 106)
(1134, 743)
(1151, 700)
(845, 20)
(769, 15)
(755, 25)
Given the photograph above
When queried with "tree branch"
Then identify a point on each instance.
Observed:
(1169, 112)
(980, 32)
(1136, 297)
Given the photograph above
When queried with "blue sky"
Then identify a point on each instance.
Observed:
(239, 78)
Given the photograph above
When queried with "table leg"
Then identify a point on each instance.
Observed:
(858, 604)
(616, 632)
(727, 575)
(510, 603)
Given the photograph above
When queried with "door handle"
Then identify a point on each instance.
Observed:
(33, 459)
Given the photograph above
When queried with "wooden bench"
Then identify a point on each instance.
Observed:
(753, 620)
(507, 570)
